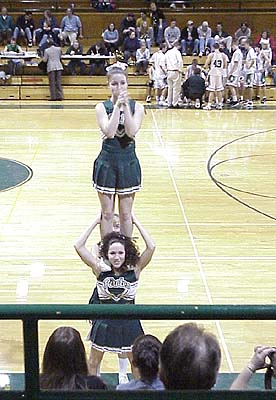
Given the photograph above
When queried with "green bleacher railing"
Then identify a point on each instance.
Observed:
(31, 314)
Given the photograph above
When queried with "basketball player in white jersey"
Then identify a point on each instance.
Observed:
(262, 65)
(249, 67)
(217, 61)
(234, 72)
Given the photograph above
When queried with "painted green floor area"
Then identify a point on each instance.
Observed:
(13, 173)
(224, 381)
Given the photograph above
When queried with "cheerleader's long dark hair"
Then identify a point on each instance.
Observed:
(131, 250)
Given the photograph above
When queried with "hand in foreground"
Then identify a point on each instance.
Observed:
(259, 356)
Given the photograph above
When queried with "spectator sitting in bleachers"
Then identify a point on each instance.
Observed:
(145, 352)
(142, 59)
(130, 46)
(205, 38)
(64, 364)
(74, 50)
(244, 32)
(220, 36)
(189, 38)
(71, 27)
(145, 33)
(6, 25)
(16, 63)
(143, 17)
(258, 361)
(158, 22)
(25, 27)
(128, 24)
(194, 88)
(48, 27)
(97, 66)
(111, 38)
(189, 359)
(172, 34)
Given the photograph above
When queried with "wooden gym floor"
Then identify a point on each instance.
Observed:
(214, 229)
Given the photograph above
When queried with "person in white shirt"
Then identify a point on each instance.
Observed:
(173, 67)
(266, 50)
(217, 61)
(159, 76)
(142, 59)
(191, 68)
(205, 38)
(262, 63)
(249, 67)
(234, 72)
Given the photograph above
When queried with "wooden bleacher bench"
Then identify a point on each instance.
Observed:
(124, 5)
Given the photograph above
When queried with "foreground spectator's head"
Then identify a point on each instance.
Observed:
(145, 352)
(189, 359)
(64, 361)
(95, 383)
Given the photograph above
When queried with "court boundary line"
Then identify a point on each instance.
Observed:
(156, 132)
(211, 167)
(20, 188)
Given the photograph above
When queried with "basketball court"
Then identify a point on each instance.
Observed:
(208, 201)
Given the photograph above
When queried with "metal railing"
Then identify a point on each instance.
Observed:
(31, 314)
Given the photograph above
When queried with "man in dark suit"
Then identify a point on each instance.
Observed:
(52, 57)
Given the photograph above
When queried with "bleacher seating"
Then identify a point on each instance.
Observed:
(33, 85)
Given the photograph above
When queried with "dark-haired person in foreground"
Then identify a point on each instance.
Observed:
(117, 286)
(64, 365)
(189, 359)
(145, 353)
